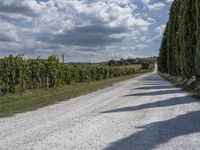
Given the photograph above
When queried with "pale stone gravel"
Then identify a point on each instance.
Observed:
(143, 113)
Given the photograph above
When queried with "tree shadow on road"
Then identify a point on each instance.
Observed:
(157, 133)
(156, 93)
(151, 78)
(152, 83)
(154, 87)
(157, 104)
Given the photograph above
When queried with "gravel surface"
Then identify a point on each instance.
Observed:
(143, 113)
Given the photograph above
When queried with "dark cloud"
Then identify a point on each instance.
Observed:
(92, 35)
(101, 29)
(18, 7)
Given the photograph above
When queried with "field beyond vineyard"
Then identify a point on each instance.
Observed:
(29, 84)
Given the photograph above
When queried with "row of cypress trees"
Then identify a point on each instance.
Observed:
(180, 47)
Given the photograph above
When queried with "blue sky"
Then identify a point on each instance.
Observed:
(83, 30)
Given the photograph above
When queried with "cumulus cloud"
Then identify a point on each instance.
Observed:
(153, 5)
(7, 32)
(89, 23)
(73, 26)
(169, 1)
(156, 6)
(25, 7)
(160, 29)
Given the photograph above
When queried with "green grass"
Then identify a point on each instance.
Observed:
(190, 86)
(32, 99)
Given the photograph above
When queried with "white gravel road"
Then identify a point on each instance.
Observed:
(143, 113)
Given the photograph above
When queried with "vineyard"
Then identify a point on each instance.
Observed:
(18, 74)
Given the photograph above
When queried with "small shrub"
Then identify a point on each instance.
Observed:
(145, 66)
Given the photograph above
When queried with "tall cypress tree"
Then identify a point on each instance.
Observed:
(197, 57)
(176, 45)
(187, 29)
(192, 27)
(173, 49)
(170, 42)
(162, 61)
(182, 36)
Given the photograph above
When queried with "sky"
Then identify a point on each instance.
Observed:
(82, 30)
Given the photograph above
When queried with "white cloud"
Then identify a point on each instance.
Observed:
(160, 29)
(145, 2)
(169, 1)
(63, 22)
(73, 26)
(7, 32)
(156, 6)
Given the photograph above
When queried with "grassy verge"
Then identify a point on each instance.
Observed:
(33, 99)
(190, 86)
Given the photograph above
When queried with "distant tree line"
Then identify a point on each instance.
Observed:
(17, 74)
(180, 47)
(126, 62)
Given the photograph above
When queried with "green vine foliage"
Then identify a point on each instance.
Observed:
(18, 74)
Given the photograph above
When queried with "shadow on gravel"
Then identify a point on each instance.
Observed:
(154, 134)
(152, 79)
(157, 104)
(153, 83)
(155, 87)
(155, 93)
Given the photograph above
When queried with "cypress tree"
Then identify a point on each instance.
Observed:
(192, 41)
(162, 61)
(182, 50)
(197, 56)
(176, 46)
(170, 50)
(173, 50)
(187, 38)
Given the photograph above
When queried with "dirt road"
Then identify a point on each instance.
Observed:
(139, 114)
